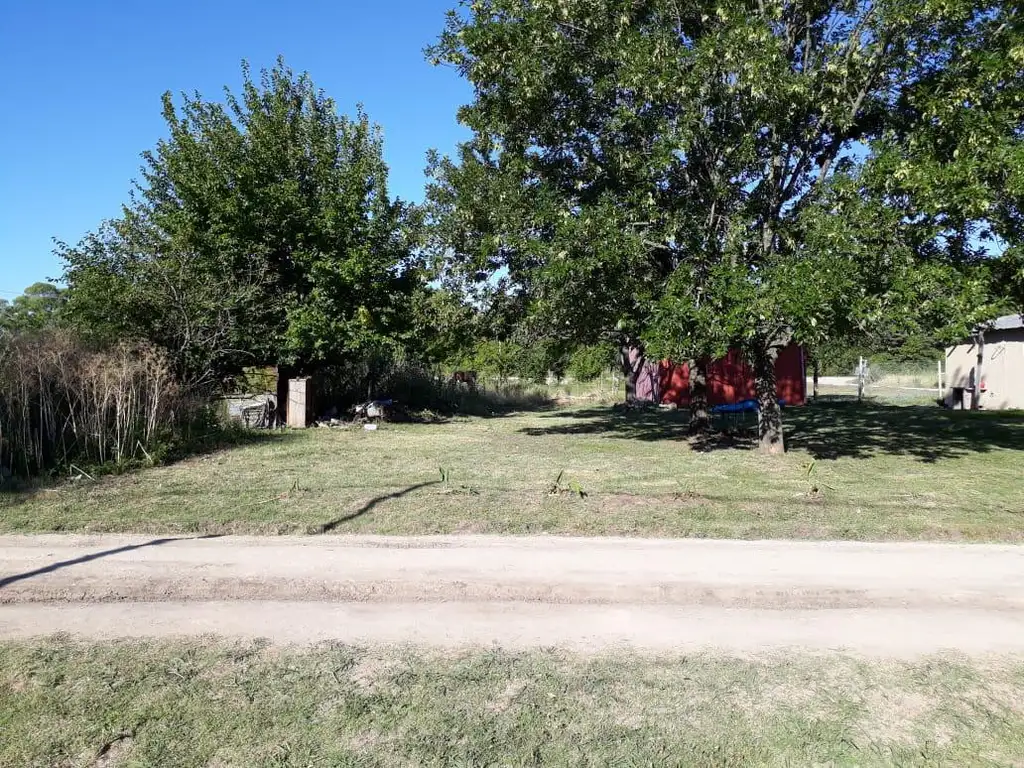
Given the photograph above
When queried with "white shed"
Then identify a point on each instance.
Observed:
(988, 368)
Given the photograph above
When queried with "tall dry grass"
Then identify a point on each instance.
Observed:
(62, 403)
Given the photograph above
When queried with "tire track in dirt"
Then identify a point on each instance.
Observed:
(892, 598)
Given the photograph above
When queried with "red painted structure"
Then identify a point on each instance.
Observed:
(731, 379)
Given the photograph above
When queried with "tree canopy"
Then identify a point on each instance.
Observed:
(706, 174)
(260, 232)
(38, 307)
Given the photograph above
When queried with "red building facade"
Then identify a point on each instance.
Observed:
(731, 379)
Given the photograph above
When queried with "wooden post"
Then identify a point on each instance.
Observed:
(300, 402)
(976, 395)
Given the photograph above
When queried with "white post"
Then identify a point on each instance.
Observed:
(860, 380)
(942, 389)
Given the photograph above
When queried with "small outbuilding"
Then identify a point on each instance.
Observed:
(731, 379)
(987, 370)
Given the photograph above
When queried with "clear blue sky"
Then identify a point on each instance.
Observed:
(80, 96)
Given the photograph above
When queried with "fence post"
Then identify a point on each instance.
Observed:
(860, 380)
(942, 389)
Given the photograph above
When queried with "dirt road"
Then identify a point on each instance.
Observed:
(891, 599)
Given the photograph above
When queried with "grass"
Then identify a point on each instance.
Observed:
(854, 471)
(198, 703)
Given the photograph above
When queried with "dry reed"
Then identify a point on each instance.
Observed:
(61, 402)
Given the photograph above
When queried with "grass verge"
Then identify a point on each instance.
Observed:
(853, 471)
(200, 703)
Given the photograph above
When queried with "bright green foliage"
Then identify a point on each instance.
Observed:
(261, 232)
(589, 362)
(38, 307)
(541, 357)
(676, 168)
(953, 161)
(445, 327)
(532, 360)
(497, 358)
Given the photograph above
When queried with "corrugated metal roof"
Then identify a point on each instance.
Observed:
(1007, 323)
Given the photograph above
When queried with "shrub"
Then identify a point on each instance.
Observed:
(588, 363)
(541, 358)
(417, 387)
(500, 359)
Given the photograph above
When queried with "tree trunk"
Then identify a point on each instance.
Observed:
(631, 359)
(700, 416)
(978, 374)
(284, 374)
(769, 414)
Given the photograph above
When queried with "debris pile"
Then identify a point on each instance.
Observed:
(369, 413)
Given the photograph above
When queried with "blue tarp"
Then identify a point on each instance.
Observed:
(744, 406)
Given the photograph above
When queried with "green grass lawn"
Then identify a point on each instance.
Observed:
(198, 703)
(853, 471)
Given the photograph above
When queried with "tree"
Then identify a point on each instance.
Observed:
(261, 232)
(444, 327)
(589, 362)
(953, 159)
(671, 165)
(38, 307)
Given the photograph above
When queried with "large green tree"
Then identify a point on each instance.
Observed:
(952, 160)
(675, 168)
(38, 307)
(260, 232)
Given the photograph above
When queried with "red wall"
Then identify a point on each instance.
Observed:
(731, 379)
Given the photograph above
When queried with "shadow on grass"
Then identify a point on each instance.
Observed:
(648, 425)
(842, 427)
(7, 580)
(223, 439)
(370, 505)
(498, 407)
(16, 491)
(828, 429)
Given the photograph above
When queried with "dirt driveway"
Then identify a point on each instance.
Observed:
(589, 594)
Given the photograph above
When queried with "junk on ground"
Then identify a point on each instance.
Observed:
(374, 410)
(371, 412)
(252, 411)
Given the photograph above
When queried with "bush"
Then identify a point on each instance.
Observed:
(541, 358)
(63, 403)
(531, 362)
(500, 359)
(836, 359)
(588, 363)
(416, 387)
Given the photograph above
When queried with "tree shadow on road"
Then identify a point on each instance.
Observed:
(370, 505)
(8, 580)
(830, 428)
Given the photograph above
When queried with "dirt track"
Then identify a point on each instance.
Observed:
(892, 599)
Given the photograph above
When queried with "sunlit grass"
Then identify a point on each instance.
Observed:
(201, 703)
(870, 471)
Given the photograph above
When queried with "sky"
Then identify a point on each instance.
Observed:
(80, 99)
